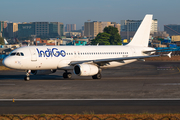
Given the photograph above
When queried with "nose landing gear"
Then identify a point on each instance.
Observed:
(27, 78)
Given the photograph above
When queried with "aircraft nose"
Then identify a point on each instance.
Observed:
(6, 62)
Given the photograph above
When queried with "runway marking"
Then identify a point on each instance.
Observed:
(125, 99)
(165, 68)
(178, 69)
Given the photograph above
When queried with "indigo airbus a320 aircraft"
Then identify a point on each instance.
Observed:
(83, 60)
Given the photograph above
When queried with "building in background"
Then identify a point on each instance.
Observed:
(129, 28)
(162, 34)
(175, 38)
(56, 29)
(154, 26)
(12, 30)
(70, 27)
(91, 29)
(3, 28)
(118, 26)
(74, 33)
(82, 27)
(26, 30)
(172, 29)
(41, 29)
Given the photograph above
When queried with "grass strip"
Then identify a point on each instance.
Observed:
(92, 116)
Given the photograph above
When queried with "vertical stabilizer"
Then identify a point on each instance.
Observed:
(141, 37)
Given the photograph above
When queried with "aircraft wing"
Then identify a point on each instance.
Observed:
(121, 59)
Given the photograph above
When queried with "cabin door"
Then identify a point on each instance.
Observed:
(33, 54)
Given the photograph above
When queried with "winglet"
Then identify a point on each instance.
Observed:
(169, 54)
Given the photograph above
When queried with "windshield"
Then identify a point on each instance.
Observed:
(17, 54)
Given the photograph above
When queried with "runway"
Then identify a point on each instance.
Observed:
(156, 84)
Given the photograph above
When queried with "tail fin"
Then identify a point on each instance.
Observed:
(141, 37)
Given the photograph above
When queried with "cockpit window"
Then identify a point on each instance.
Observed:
(12, 54)
(17, 54)
(22, 54)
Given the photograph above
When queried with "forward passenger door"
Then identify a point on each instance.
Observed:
(33, 55)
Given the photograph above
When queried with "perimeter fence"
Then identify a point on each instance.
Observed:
(16, 117)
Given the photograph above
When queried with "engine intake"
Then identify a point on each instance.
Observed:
(85, 70)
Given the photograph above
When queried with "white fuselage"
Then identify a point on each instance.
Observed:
(59, 57)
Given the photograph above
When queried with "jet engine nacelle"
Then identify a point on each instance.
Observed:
(85, 69)
(42, 72)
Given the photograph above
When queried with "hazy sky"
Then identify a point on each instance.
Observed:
(79, 11)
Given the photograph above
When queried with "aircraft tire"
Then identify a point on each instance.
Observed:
(67, 75)
(97, 76)
(27, 78)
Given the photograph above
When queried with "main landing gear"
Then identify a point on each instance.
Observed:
(27, 78)
(67, 74)
(97, 76)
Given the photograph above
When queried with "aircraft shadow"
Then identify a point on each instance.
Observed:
(32, 77)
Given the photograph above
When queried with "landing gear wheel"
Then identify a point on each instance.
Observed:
(27, 78)
(67, 75)
(97, 76)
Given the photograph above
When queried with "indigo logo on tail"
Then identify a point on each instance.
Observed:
(51, 52)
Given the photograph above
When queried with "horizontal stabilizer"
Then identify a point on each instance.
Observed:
(157, 50)
(169, 54)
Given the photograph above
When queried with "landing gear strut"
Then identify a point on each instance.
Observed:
(27, 78)
(97, 76)
(67, 74)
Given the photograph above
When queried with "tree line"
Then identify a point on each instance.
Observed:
(110, 36)
(1, 40)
